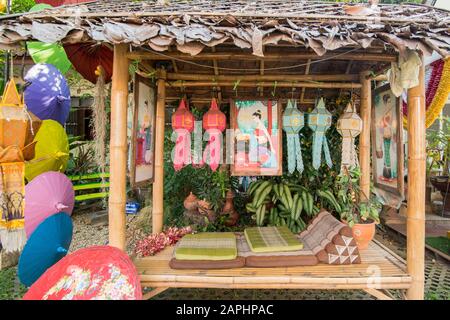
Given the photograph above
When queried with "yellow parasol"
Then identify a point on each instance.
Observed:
(51, 151)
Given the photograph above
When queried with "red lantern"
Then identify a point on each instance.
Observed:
(183, 125)
(214, 122)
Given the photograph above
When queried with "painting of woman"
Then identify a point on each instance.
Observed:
(387, 140)
(258, 144)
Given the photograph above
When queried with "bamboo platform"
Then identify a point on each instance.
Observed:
(381, 269)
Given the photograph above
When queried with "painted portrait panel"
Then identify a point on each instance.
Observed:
(387, 138)
(257, 140)
(143, 147)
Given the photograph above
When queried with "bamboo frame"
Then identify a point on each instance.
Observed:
(412, 280)
(282, 84)
(118, 148)
(154, 56)
(415, 221)
(364, 138)
(158, 185)
(258, 77)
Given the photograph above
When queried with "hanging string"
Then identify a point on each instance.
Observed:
(249, 69)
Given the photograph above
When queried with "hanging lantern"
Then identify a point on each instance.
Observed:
(319, 122)
(13, 118)
(349, 125)
(214, 123)
(183, 125)
(293, 122)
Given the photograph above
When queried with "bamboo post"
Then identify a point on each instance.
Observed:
(118, 148)
(158, 185)
(364, 138)
(415, 221)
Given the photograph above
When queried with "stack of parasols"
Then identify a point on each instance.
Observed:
(100, 272)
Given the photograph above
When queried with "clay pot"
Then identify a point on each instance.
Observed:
(204, 207)
(363, 233)
(191, 202)
(228, 209)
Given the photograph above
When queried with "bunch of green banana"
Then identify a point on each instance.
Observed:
(288, 202)
(331, 199)
(260, 191)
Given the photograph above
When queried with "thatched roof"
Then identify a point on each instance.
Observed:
(191, 26)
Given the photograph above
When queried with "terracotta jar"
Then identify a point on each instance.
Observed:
(228, 209)
(363, 233)
(191, 202)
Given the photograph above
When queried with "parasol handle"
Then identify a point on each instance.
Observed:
(60, 206)
(61, 98)
(61, 250)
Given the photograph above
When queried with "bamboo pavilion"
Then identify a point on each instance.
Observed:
(200, 46)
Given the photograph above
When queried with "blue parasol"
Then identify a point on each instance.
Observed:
(47, 94)
(47, 245)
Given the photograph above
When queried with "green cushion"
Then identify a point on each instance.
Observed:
(272, 239)
(207, 246)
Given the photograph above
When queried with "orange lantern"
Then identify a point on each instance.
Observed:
(183, 125)
(214, 122)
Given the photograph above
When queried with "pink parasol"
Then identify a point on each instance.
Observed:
(49, 193)
(94, 273)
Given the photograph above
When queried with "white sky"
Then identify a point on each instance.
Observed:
(445, 4)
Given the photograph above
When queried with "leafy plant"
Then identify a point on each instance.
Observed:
(81, 157)
(438, 150)
(347, 202)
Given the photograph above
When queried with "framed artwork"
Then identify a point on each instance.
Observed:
(256, 145)
(387, 141)
(143, 133)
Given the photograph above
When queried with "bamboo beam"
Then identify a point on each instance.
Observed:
(364, 138)
(284, 84)
(118, 148)
(261, 73)
(158, 185)
(415, 221)
(208, 100)
(262, 77)
(307, 69)
(379, 57)
(216, 73)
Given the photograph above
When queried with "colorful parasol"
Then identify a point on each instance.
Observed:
(51, 151)
(51, 53)
(95, 273)
(47, 194)
(46, 246)
(293, 122)
(86, 57)
(47, 94)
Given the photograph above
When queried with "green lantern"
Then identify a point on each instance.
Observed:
(293, 122)
(319, 120)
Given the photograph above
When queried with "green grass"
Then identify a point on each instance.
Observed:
(10, 286)
(439, 243)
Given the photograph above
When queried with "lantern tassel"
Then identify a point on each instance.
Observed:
(326, 152)
(291, 151)
(317, 149)
(298, 154)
